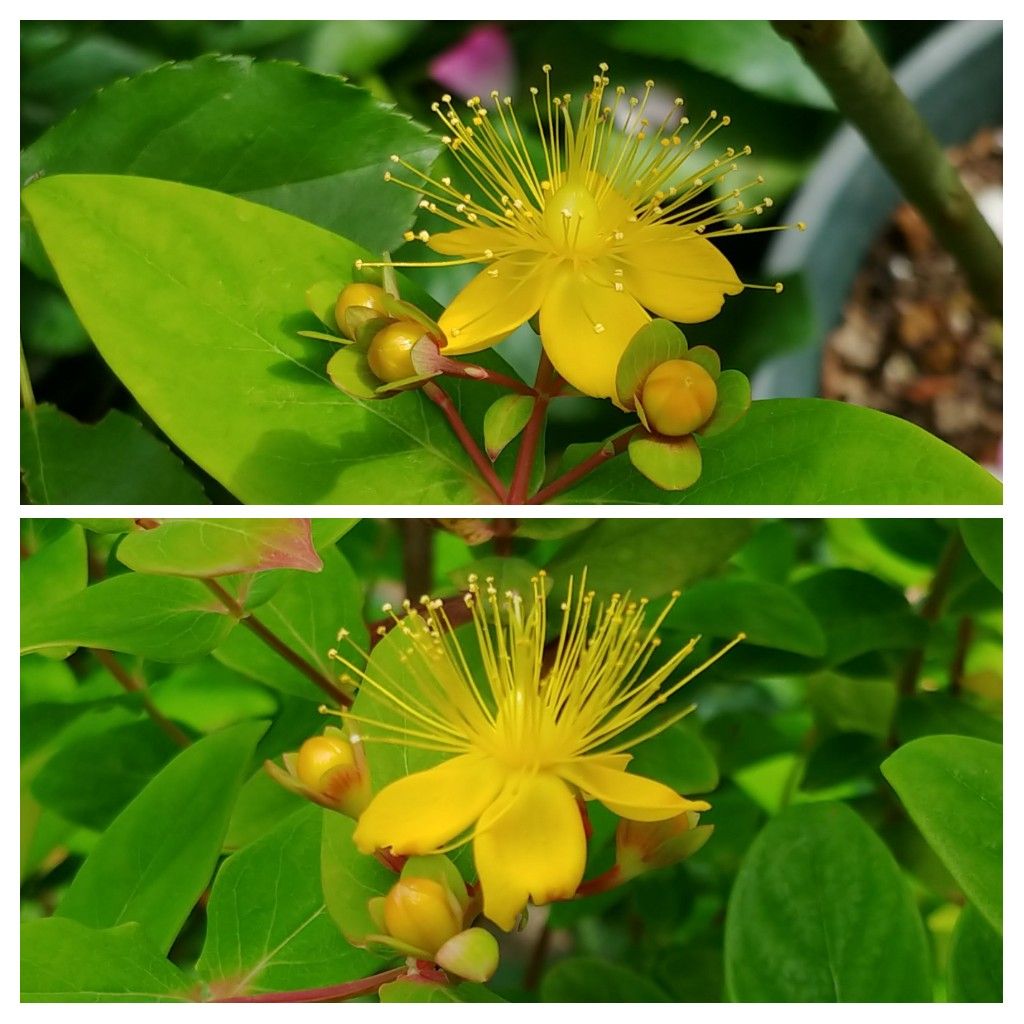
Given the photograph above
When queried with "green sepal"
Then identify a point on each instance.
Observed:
(350, 372)
(356, 317)
(732, 403)
(367, 330)
(402, 310)
(671, 464)
(707, 359)
(320, 336)
(653, 344)
(386, 946)
(504, 421)
(405, 384)
(321, 298)
(438, 868)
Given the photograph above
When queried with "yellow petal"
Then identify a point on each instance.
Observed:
(472, 241)
(683, 278)
(529, 844)
(421, 812)
(630, 796)
(585, 326)
(496, 302)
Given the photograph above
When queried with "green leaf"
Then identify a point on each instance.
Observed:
(350, 878)
(206, 696)
(852, 704)
(65, 962)
(820, 912)
(648, 559)
(157, 617)
(928, 714)
(268, 929)
(975, 960)
(504, 421)
(219, 547)
(586, 979)
(859, 613)
(811, 451)
(147, 867)
(195, 298)
(91, 779)
(408, 991)
(672, 465)
(679, 758)
(771, 615)
(952, 788)
(307, 144)
(748, 53)
(306, 613)
(56, 571)
(984, 540)
(65, 462)
(327, 532)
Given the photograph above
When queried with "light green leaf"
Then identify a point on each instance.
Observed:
(408, 991)
(195, 299)
(65, 462)
(58, 570)
(306, 613)
(307, 144)
(219, 547)
(975, 960)
(952, 788)
(268, 929)
(586, 979)
(770, 615)
(206, 696)
(672, 465)
(984, 540)
(157, 617)
(327, 532)
(820, 912)
(811, 451)
(65, 962)
(146, 867)
(503, 422)
(748, 53)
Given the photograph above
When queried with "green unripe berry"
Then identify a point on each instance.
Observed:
(678, 397)
(390, 352)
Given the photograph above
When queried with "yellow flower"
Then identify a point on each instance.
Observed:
(527, 735)
(613, 221)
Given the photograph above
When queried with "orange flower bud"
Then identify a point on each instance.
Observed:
(358, 296)
(678, 397)
(390, 352)
(422, 913)
(643, 845)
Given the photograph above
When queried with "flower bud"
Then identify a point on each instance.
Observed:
(329, 770)
(422, 913)
(678, 397)
(355, 298)
(643, 845)
(472, 954)
(390, 352)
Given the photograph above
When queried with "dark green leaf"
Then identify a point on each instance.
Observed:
(587, 979)
(679, 758)
(975, 960)
(407, 991)
(929, 713)
(984, 540)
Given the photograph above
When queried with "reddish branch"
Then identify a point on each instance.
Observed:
(544, 387)
(328, 994)
(607, 451)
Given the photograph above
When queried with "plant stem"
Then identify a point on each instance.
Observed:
(134, 685)
(28, 397)
(543, 387)
(607, 451)
(330, 993)
(964, 636)
(417, 556)
(846, 61)
(472, 449)
(276, 644)
(471, 371)
(609, 879)
(930, 610)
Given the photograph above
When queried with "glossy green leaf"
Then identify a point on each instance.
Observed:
(678, 757)
(853, 703)
(859, 613)
(649, 557)
(65, 462)
(408, 991)
(928, 714)
(155, 616)
(732, 404)
(504, 421)
(820, 912)
(748, 53)
(307, 144)
(770, 615)
(811, 451)
(218, 547)
(306, 613)
(65, 962)
(984, 540)
(262, 805)
(195, 298)
(975, 960)
(56, 571)
(206, 696)
(585, 979)
(268, 929)
(350, 878)
(952, 787)
(672, 465)
(146, 867)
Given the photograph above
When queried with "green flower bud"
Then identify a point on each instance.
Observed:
(472, 954)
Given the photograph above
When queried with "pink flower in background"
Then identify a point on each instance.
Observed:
(477, 64)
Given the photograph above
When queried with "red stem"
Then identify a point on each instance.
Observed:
(471, 371)
(482, 463)
(588, 465)
(544, 387)
(330, 993)
(602, 883)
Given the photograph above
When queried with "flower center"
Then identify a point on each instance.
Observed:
(572, 221)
